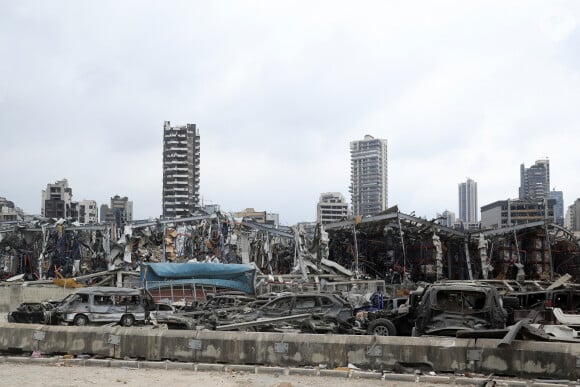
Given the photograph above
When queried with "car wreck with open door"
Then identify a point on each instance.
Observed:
(446, 308)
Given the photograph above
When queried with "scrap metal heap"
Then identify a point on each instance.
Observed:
(392, 246)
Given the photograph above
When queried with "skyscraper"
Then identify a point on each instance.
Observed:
(535, 180)
(368, 175)
(181, 159)
(468, 201)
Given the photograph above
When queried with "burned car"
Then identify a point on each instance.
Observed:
(446, 308)
(307, 312)
(397, 319)
(34, 313)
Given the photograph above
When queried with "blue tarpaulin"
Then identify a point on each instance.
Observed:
(231, 276)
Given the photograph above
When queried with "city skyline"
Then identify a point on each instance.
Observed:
(279, 90)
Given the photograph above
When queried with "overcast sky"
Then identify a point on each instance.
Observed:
(278, 89)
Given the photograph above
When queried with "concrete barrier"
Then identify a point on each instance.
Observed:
(400, 354)
(13, 295)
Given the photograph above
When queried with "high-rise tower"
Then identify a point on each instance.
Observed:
(181, 158)
(368, 175)
(468, 201)
(535, 180)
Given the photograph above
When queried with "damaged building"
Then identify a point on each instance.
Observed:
(391, 246)
(422, 250)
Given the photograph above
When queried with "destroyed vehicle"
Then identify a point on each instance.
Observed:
(263, 299)
(537, 301)
(160, 313)
(34, 313)
(397, 319)
(218, 307)
(307, 312)
(103, 305)
(445, 309)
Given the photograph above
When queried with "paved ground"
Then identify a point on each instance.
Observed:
(12, 374)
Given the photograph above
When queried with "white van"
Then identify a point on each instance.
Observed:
(103, 305)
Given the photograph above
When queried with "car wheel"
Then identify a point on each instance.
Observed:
(127, 320)
(81, 320)
(382, 327)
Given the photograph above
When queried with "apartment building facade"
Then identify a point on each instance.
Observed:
(507, 213)
(57, 201)
(535, 180)
(332, 207)
(181, 170)
(119, 212)
(369, 178)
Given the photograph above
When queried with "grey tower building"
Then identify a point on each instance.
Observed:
(181, 159)
(368, 176)
(468, 201)
(535, 180)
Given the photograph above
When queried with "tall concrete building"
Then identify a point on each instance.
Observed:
(57, 201)
(181, 160)
(331, 207)
(368, 176)
(535, 180)
(468, 201)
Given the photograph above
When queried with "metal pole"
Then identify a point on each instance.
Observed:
(402, 242)
(468, 259)
(355, 252)
(550, 252)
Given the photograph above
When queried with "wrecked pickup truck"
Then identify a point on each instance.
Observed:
(446, 308)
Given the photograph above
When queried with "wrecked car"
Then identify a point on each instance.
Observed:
(160, 313)
(445, 309)
(103, 305)
(397, 319)
(34, 313)
(308, 312)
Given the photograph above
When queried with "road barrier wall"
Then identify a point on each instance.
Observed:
(13, 295)
(528, 359)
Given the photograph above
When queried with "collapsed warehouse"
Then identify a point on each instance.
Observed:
(392, 246)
